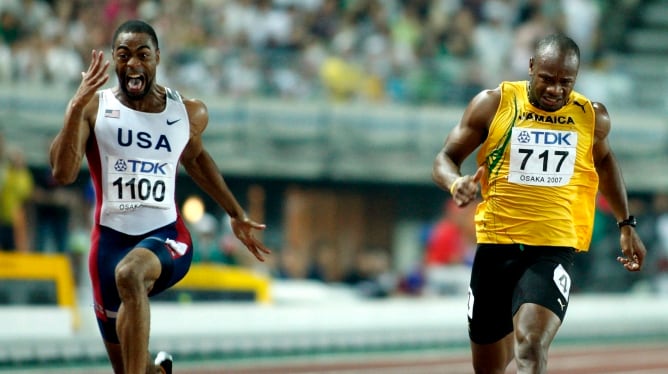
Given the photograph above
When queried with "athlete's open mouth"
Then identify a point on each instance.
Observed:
(134, 83)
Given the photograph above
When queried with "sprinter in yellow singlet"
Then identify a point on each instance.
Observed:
(543, 156)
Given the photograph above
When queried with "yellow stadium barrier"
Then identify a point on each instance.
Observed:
(221, 280)
(49, 276)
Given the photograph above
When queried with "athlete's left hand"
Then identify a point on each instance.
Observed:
(242, 228)
(633, 249)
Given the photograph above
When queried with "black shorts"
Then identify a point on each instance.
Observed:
(504, 277)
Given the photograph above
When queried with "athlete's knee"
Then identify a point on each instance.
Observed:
(129, 278)
(137, 272)
(531, 352)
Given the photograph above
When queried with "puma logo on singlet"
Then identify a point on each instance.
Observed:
(582, 106)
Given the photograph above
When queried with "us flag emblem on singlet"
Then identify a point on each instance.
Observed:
(112, 113)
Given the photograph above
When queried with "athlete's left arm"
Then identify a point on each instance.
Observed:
(611, 185)
(203, 170)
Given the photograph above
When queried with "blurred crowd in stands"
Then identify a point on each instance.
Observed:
(407, 51)
(397, 51)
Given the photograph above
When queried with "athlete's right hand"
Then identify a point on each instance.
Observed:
(633, 249)
(243, 230)
(465, 188)
(93, 79)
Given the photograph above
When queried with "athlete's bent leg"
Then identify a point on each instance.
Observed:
(492, 358)
(135, 276)
(535, 328)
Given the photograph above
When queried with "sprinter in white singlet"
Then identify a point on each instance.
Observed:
(134, 136)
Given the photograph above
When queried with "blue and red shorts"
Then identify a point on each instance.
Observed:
(173, 246)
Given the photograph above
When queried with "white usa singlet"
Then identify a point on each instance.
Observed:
(138, 158)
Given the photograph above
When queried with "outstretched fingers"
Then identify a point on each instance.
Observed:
(96, 75)
(254, 245)
(257, 248)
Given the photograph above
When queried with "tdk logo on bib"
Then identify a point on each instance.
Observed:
(120, 165)
(544, 137)
(138, 166)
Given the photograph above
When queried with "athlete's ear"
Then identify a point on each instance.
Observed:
(157, 56)
(531, 61)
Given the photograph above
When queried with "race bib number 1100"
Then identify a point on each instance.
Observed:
(540, 157)
(133, 183)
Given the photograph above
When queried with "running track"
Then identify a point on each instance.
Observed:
(647, 358)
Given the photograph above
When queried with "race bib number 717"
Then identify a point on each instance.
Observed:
(541, 157)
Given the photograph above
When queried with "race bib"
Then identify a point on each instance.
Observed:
(135, 183)
(540, 157)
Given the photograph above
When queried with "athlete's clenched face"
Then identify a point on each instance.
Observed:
(136, 59)
(552, 78)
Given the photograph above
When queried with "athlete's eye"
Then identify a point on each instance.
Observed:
(567, 82)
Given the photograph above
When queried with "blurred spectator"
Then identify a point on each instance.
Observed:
(493, 41)
(537, 20)
(325, 262)
(118, 11)
(15, 190)
(10, 26)
(451, 240)
(325, 20)
(581, 22)
(292, 264)
(449, 250)
(34, 14)
(204, 234)
(54, 206)
(371, 274)
(62, 64)
(340, 72)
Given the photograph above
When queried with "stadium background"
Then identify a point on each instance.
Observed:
(325, 118)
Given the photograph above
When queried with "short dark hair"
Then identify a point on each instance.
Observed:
(136, 26)
(559, 41)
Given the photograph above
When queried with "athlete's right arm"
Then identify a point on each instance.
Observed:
(464, 138)
(69, 146)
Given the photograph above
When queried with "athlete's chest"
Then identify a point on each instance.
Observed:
(145, 134)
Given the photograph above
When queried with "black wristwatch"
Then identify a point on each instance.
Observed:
(631, 221)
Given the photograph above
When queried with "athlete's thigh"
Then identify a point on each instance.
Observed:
(493, 279)
(174, 251)
(547, 280)
(108, 250)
